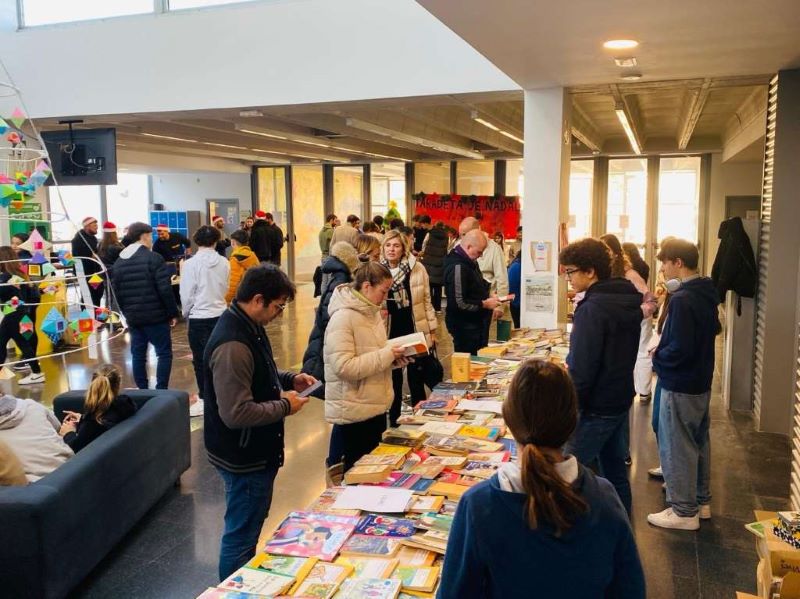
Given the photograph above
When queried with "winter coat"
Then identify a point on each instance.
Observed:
(338, 267)
(358, 360)
(31, 431)
(344, 233)
(173, 247)
(88, 428)
(735, 265)
(325, 235)
(142, 286)
(260, 236)
(241, 259)
(465, 289)
(275, 242)
(111, 254)
(493, 267)
(204, 282)
(421, 305)
(84, 245)
(434, 250)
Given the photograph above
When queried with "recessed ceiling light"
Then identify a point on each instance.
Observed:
(626, 63)
(631, 77)
(620, 44)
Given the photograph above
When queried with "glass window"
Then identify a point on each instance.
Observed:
(128, 201)
(627, 200)
(48, 12)
(475, 177)
(181, 4)
(308, 207)
(515, 179)
(388, 185)
(75, 202)
(348, 191)
(272, 193)
(679, 198)
(432, 177)
(581, 181)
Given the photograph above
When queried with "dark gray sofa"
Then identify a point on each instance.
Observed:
(54, 531)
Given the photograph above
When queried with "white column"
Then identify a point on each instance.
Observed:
(545, 201)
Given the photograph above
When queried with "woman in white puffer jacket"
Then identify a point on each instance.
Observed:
(359, 361)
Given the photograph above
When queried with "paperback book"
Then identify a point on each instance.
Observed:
(297, 567)
(413, 556)
(414, 344)
(369, 567)
(370, 546)
(323, 580)
(310, 534)
(257, 582)
(417, 579)
(385, 526)
(369, 588)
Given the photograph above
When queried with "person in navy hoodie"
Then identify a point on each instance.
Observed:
(543, 526)
(684, 362)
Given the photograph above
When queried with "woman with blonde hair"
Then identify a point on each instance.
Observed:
(103, 408)
(368, 248)
(410, 310)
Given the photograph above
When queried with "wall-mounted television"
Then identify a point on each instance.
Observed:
(82, 156)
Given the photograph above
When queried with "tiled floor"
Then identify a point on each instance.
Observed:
(173, 551)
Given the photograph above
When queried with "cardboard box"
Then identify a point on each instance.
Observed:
(782, 557)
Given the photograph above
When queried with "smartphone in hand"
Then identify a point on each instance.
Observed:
(309, 390)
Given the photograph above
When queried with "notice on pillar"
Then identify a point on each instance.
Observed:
(540, 254)
(539, 293)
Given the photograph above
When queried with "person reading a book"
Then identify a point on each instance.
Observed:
(103, 408)
(358, 362)
(544, 523)
(410, 310)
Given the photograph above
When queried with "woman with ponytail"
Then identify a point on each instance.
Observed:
(103, 408)
(544, 526)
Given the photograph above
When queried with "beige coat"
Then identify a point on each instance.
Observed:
(358, 360)
(421, 305)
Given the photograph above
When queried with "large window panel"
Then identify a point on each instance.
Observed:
(49, 12)
(679, 198)
(272, 193)
(515, 179)
(475, 177)
(129, 200)
(581, 182)
(432, 177)
(348, 191)
(308, 207)
(388, 184)
(76, 203)
(627, 200)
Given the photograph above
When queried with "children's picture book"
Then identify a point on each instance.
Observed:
(417, 579)
(217, 593)
(323, 580)
(370, 546)
(379, 525)
(317, 590)
(414, 344)
(479, 432)
(256, 582)
(369, 588)
(324, 503)
(412, 556)
(442, 405)
(433, 521)
(424, 504)
(310, 534)
(298, 567)
(369, 567)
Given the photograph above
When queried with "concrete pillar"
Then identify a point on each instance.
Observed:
(546, 202)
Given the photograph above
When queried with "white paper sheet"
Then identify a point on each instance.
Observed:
(472, 405)
(373, 499)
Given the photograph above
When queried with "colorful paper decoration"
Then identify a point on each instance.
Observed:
(3, 126)
(16, 279)
(48, 269)
(12, 304)
(17, 117)
(38, 258)
(95, 281)
(101, 314)
(37, 243)
(54, 325)
(26, 327)
(14, 138)
(49, 289)
(83, 323)
(34, 270)
(65, 258)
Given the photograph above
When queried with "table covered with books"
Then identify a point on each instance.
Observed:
(383, 534)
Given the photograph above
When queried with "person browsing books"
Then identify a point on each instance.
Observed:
(103, 408)
(543, 526)
(410, 310)
(358, 362)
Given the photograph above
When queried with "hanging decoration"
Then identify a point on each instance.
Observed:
(11, 305)
(37, 243)
(54, 325)
(65, 258)
(17, 117)
(101, 314)
(95, 281)
(26, 327)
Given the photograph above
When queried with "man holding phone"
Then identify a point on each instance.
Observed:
(248, 399)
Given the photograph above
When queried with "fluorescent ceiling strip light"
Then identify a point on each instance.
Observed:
(626, 125)
(194, 141)
(485, 123)
(494, 127)
(512, 136)
(211, 143)
(261, 133)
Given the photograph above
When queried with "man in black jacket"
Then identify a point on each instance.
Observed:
(84, 245)
(247, 399)
(171, 244)
(275, 240)
(434, 250)
(144, 293)
(469, 303)
(260, 236)
(603, 347)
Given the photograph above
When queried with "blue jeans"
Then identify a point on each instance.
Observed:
(602, 438)
(160, 337)
(684, 446)
(247, 501)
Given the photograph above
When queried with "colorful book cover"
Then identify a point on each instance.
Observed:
(324, 503)
(479, 432)
(385, 526)
(317, 590)
(217, 593)
(433, 521)
(426, 470)
(368, 546)
(455, 461)
(417, 579)
(479, 469)
(383, 449)
(256, 582)
(298, 567)
(412, 556)
(510, 445)
(401, 480)
(380, 460)
(369, 588)
(495, 458)
(422, 485)
(444, 405)
(369, 567)
(426, 503)
(323, 580)
(310, 534)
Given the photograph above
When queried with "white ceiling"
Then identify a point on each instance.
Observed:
(544, 43)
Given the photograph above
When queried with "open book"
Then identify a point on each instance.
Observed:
(414, 344)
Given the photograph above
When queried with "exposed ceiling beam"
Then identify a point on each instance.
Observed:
(584, 130)
(693, 105)
(628, 106)
(187, 149)
(656, 86)
(748, 124)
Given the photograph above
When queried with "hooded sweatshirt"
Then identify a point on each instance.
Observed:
(204, 283)
(31, 431)
(358, 359)
(596, 557)
(241, 259)
(684, 358)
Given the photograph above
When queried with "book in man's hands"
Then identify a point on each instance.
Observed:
(414, 344)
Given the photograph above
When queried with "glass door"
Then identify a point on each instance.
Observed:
(679, 198)
(388, 188)
(581, 188)
(627, 209)
(348, 191)
(308, 217)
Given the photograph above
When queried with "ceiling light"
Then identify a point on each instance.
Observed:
(493, 127)
(210, 143)
(511, 136)
(620, 44)
(626, 62)
(261, 133)
(626, 125)
(194, 141)
(412, 139)
(631, 77)
(250, 113)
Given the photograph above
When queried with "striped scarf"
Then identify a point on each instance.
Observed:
(399, 274)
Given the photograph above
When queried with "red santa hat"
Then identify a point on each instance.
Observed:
(162, 227)
(109, 227)
(214, 219)
(261, 215)
(88, 221)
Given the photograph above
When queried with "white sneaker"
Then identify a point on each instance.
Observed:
(704, 511)
(669, 519)
(32, 378)
(656, 472)
(197, 408)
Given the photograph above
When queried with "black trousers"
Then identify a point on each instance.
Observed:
(416, 386)
(515, 315)
(359, 438)
(469, 337)
(199, 333)
(9, 330)
(436, 297)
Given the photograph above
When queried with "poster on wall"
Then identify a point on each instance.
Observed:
(541, 254)
(539, 293)
(498, 213)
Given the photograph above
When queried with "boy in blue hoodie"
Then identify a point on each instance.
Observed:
(684, 362)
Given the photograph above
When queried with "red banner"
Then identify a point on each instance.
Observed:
(498, 213)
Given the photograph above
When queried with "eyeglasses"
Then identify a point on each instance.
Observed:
(281, 307)
(569, 273)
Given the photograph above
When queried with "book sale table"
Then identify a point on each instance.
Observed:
(383, 534)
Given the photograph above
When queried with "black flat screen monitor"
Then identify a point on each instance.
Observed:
(82, 156)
